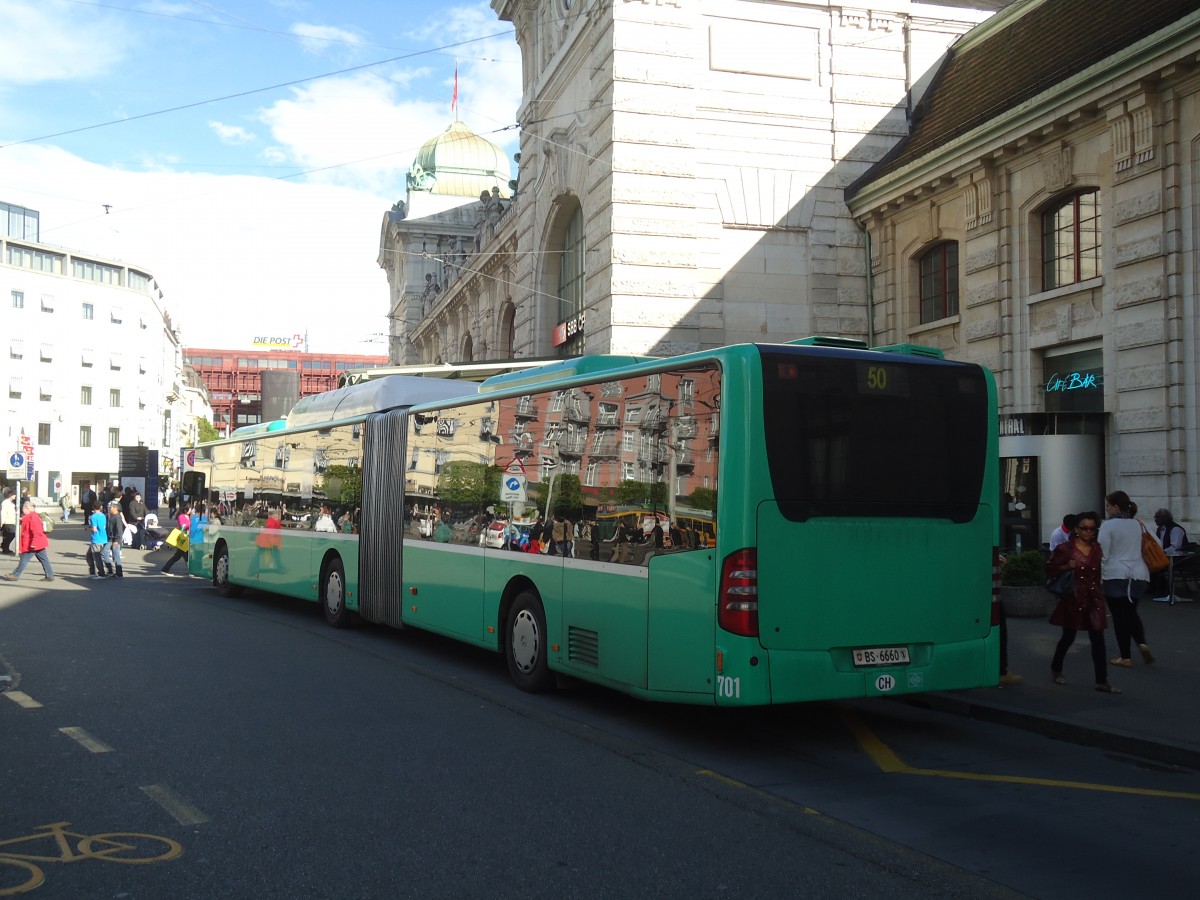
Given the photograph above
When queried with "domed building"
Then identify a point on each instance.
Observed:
(457, 193)
(458, 163)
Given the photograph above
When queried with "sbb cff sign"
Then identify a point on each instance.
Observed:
(568, 330)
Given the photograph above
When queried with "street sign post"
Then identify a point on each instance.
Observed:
(512, 483)
(16, 466)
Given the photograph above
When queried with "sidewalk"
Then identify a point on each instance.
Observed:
(1154, 715)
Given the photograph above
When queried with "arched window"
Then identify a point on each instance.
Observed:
(1071, 240)
(570, 272)
(507, 331)
(467, 349)
(939, 282)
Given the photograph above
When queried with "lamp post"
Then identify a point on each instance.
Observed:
(552, 464)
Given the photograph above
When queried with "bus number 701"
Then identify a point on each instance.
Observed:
(729, 687)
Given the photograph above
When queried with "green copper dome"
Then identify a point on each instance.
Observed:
(459, 163)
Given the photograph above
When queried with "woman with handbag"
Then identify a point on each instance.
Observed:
(1083, 609)
(184, 524)
(1125, 575)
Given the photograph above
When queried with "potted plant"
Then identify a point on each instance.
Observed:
(1023, 585)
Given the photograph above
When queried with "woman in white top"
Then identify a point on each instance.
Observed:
(1124, 575)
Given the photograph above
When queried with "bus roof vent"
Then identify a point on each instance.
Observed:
(566, 368)
(828, 340)
(912, 350)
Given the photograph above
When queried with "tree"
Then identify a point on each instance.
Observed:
(343, 484)
(469, 483)
(568, 494)
(205, 430)
(704, 498)
(637, 493)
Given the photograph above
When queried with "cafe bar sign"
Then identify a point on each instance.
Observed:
(1074, 382)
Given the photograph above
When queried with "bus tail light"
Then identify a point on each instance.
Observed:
(738, 604)
(997, 574)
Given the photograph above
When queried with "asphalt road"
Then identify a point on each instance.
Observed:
(286, 759)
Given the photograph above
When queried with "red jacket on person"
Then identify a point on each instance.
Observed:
(33, 535)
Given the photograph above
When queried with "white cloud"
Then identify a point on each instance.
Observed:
(324, 38)
(354, 128)
(38, 45)
(364, 130)
(234, 255)
(231, 134)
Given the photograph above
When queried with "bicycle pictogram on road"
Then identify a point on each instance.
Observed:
(20, 872)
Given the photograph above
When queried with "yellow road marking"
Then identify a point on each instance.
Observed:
(178, 808)
(85, 740)
(22, 699)
(889, 762)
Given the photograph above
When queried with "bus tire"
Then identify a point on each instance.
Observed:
(221, 582)
(525, 644)
(333, 594)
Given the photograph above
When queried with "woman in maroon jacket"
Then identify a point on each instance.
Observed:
(33, 543)
(1081, 609)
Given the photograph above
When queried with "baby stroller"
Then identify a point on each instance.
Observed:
(154, 535)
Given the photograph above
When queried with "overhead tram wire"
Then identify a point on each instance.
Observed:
(253, 91)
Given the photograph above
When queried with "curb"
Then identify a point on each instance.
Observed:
(1060, 729)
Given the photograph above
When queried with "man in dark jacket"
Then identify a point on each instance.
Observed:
(137, 517)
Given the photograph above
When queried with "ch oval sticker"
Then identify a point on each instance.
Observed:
(884, 683)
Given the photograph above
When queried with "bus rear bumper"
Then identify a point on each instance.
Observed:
(798, 676)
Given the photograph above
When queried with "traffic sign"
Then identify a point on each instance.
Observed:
(516, 467)
(16, 465)
(512, 488)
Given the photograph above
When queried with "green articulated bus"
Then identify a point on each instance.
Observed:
(821, 518)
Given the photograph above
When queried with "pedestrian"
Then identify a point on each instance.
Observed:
(115, 528)
(558, 538)
(98, 543)
(184, 523)
(1125, 575)
(1170, 533)
(325, 520)
(137, 518)
(87, 503)
(33, 543)
(1007, 678)
(1083, 609)
(1063, 534)
(64, 502)
(8, 520)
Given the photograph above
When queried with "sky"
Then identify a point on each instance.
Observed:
(244, 152)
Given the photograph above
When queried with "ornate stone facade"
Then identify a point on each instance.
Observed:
(681, 175)
(1123, 134)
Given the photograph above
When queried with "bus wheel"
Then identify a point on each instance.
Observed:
(221, 574)
(525, 646)
(333, 594)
